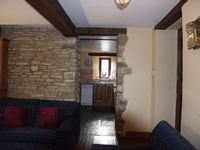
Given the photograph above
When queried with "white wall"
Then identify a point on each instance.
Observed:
(164, 76)
(150, 98)
(137, 86)
(191, 79)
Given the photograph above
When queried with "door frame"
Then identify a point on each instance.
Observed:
(179, 81)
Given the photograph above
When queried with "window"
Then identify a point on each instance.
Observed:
(104, 67)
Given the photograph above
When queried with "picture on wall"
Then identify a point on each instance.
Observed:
(198, 36)
(193, 31)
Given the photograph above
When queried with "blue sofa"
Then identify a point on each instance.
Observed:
(163, 137)
(30, 137)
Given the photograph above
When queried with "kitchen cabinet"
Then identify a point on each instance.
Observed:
(103, 95)
(109, 93)
(3, 67)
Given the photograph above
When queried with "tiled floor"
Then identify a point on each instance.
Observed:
(97, 127)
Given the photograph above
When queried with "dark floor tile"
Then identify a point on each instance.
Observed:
(97, 127)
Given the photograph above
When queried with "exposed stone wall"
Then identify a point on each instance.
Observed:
(42, 64)
(122, 70)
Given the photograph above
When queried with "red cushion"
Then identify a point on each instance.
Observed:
(14, 117)
(48, 117)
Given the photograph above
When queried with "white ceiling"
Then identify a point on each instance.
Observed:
(19, 12)
(90, 13)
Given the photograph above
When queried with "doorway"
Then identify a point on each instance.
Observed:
(98, 70)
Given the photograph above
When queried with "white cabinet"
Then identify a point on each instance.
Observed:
(86, 94)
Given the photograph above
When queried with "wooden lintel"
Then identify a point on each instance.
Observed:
(101, 31)
(171, 17)
(102, 54)
(55, 14)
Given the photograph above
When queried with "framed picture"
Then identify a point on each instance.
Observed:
(193, 31)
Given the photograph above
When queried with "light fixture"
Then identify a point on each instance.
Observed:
(122, 4)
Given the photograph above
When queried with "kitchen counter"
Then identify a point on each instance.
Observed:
(98, 92)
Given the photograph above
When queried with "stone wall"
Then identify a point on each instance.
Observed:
(43, 64)
(122, 70)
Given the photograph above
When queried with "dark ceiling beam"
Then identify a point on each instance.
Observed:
(171, 17)
(101, 31)
(55, 14)
(102, 54)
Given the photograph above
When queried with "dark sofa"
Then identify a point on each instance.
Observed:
(31, 137)
(163, 137)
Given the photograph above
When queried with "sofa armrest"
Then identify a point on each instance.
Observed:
(68, 133)
(1, 117)
(68, 124)
(164, 136)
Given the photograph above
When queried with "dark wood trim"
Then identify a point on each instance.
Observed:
(100, 66)
(138, 134)
(0, 32)
(101, 31)
(179, 81)
(102, 54)
(171, 17)
(134, 138)
(98, 39)
(55, 14)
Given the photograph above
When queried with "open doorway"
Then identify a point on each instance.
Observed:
(98, 86)
(98, 71)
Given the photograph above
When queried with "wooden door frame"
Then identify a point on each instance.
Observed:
(179, 81)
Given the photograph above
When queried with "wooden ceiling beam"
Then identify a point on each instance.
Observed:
(55, 14)
(102, 54)
(101, 31)
(171, 17)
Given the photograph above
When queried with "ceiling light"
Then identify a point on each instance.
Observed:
(121, 4)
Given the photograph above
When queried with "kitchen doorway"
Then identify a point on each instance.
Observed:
(98, 71)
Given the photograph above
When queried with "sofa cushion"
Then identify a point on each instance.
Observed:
(38, 135)
(48, 117)
(30, 104)
(165, 137)
(67, 109)
(14, 117)
(29, 146)
(28, 134)
(24, 146)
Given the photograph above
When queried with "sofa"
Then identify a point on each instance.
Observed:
(39, 128)
(163, 137)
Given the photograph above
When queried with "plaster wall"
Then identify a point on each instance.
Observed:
(137, 85)
(164, 76)
(191, 81)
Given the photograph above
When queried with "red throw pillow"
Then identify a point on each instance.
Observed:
(48, 117)
(14, 117)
